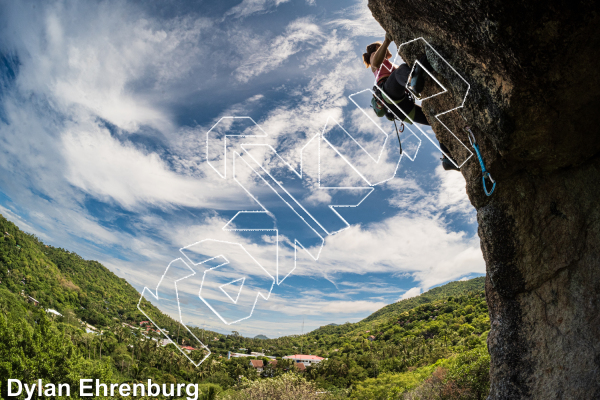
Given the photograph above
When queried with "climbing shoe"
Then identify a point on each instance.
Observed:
(418, 80)
(448, 165)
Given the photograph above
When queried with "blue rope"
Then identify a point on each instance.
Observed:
(483, 170)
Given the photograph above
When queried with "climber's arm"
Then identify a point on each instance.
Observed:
(378, 57)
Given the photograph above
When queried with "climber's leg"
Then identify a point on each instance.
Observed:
(401, 74)
(420, 117)
(417, 112)
(394, 85)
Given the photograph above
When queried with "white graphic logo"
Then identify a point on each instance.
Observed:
(224, 276)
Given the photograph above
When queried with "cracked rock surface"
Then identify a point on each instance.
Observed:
(533, 70)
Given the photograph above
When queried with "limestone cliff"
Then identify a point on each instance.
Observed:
(534, 105)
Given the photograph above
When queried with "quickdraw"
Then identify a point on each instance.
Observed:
(398, 134)
(483, 170)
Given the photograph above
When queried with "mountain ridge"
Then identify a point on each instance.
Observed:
(73, 283)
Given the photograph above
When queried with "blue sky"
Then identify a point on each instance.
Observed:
(104, 114)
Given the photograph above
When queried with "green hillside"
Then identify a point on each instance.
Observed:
(450, 289)
(64, 281)
(435, 341)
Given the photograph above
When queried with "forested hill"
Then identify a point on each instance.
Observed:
(450, 289)
(457, 288)
(436, 341)
(64, 281)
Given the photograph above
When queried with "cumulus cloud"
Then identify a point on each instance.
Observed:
(422, 246)
(452, 195)
(99, 164)
(95, 155)
(94, 62)
(411, 293)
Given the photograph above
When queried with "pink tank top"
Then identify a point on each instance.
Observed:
(384, 71)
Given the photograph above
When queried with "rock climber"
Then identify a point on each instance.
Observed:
(392, 81)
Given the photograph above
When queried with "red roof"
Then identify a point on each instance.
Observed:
(300, 366)
(188, 348)
(273, 363)
(305, 357)
(257, 363)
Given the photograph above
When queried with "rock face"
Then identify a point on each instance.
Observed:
(534, 106)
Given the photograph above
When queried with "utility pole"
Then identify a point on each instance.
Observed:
(302, 342)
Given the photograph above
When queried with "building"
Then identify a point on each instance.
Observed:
(307, 360)
(187, 349)
(237, 355)
(53, 312)
(257, 364)
(32, 300)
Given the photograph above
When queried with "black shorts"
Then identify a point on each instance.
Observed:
(394, 88)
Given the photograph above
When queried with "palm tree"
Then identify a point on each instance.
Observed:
(138, 373)
(239, 372)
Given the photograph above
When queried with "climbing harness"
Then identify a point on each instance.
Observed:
(483, 170)
(384, 110)
(396, 126)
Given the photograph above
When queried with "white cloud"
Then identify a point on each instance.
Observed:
(263, 60)
(318, 197)
(77, 59)
(411, 293)
(82, 61)
(452, 195)
(351, 307)
(250, 7)
(420, 245)
(317, 305)
(359, 21)
(20, 222)
(303, 35)
(449, 197)
(99, 164)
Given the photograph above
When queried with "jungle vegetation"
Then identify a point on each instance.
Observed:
(432, 346)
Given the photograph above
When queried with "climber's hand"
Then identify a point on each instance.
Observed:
(388, 37)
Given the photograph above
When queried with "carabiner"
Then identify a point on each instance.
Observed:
(484, 173)
(487, 175)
